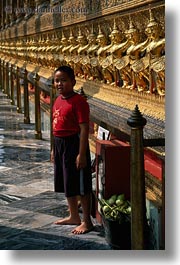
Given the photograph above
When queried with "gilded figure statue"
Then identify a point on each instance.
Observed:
(50, 51)
(33, 50)
(83, 57)
(58, 51)
(62, 53)
(103, 59)
(28, 49)
(72, 48)
(39, 49)
(55, 60)
(139, 64)
(156, 54)
(75, 54)
(117, 57)
(67, 44)
(47, 52)
(94, 70)
(45, 44)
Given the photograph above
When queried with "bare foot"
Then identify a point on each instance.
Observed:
(68, 221)
(83, 228)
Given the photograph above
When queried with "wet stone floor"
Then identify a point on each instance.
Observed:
(28, 204)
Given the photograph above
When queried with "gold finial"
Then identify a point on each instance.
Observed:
(47, 38)
(63, 36)
(152, 21)
(131, 26)
(71, 33)
(100, 34)
(92, 34)
(71, 37)
(115, 28)
(55, 34)
(92, 29)
(114, 25)
(80, 36)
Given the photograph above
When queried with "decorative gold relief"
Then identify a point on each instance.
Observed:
(156, 52)
(115, 52)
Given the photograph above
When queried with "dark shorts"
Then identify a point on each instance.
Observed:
(67, 178)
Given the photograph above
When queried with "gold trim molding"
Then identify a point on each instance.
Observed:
(149, 104)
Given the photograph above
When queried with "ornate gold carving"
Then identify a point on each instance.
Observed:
(156, 50)
(120, 51)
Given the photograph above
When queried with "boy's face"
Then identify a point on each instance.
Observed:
(63, 83)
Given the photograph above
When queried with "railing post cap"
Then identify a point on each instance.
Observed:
(36, 76)
(136, 119)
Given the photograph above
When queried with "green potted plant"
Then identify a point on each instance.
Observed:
(116, 219)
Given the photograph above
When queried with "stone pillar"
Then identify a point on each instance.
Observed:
(26, 98)
(52, 98)
(12, 84)
(137, 176)
(18, 89)
(2, 75)
(38, 133)
(7, 80)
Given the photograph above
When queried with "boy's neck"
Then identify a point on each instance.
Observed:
(68, 96)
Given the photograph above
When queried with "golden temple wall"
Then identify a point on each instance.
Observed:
(117, 48)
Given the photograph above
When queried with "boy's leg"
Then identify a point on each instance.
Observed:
(73, 218)
(58, 167)
(86, 225)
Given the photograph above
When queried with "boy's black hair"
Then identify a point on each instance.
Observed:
(66, 69)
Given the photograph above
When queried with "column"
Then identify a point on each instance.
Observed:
(1, 74)
(137, 179)
(38, 133)
(26, 98)
(18, 88)
(7, 80)
(52, 98)
(3, 77)
(12, 84)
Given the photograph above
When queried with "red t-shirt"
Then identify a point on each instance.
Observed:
(68, 114)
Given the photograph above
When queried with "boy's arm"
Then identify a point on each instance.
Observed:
(52, 156)
(84, 134)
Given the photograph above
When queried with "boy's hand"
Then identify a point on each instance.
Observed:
(81, 161)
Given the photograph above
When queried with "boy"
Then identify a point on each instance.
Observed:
(71, 156)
